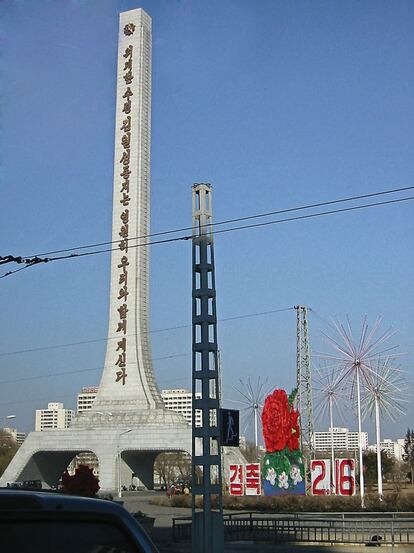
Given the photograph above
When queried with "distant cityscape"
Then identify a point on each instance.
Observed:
(179, 400)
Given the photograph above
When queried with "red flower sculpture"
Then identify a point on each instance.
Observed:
(280, 423)
(83, 482)
(293, 441)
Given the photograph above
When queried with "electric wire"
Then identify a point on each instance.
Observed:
(167, 329)
(243, 227)
(74, 394)
(322, 319)
(222, 231)
(44, 398)
(313, 215)
(183, 238)
(88, 369)
(235, 220)
(17, 270)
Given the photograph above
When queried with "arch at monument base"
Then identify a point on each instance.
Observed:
(45, 455)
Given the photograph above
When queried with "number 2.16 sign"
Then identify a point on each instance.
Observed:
(340, 481)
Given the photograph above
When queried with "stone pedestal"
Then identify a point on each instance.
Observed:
(45, 455)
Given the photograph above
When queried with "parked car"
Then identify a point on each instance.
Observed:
(32, 484)
(15, 485)
(41, 522)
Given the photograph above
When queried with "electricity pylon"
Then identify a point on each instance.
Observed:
(304, 379)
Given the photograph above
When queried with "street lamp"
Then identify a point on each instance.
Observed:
(119, 459)
(10, 417)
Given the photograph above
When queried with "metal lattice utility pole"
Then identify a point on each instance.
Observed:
(207, 524)
(304, 378)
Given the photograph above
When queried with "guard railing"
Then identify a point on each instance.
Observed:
(357, 528)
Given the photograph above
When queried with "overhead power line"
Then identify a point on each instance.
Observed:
(17, 270)
(313, 215)
(167, 329)
(38, 399)
(243, 227)
(235, 220)
(77, 371)
(31, 261)
(100, 368)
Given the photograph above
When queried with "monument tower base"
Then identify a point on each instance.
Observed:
(45, 455)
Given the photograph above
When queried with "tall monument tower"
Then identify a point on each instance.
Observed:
(128, 379)
(128, 424)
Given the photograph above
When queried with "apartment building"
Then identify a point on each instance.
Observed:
(343, 440)
(54, 417)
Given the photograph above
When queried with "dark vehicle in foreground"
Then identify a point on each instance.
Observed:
(41, 522)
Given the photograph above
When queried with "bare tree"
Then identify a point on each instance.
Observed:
(249, 452)
(183, 462)
(408, 455)
(171, 466)
(398, 475)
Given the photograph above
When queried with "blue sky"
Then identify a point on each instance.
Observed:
(277, 104)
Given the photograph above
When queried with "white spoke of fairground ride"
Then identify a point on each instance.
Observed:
(252, 397)
(327, 384)
(384, 394)
(357, 364)
(363, 354)
(390, 387)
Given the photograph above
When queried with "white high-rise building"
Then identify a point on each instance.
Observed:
(181, 401)
(54, 417)
(399, 450)
(177, 399)
(343, 440)
(86, 398)
(394, 449)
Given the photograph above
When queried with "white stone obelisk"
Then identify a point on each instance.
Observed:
(128, 424)
(128, 381)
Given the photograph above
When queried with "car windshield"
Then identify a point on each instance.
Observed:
(42, 536)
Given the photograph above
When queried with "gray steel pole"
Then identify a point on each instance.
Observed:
(361, 462)
(333, 471)
(378, 439)
(207, 522)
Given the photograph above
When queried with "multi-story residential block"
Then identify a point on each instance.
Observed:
(343, 440)
(86, 398)
(54, 417)
(177, 399)
(394, 449)
(181, 401)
